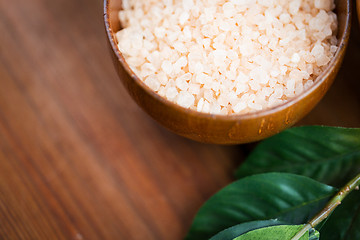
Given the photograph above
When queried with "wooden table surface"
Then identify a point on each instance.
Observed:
(79, 159)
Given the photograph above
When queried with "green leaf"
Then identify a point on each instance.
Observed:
(344, 223)
(314, 234)
(287, 197)
(282, 232)
(240, 229)
(327, 154)
(237, 230)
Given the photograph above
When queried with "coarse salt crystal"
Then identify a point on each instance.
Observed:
(241, 88)
(194, 89)
(206, 107)
(274, 73)
(254, 85)
(167, 67)
(263, 39)
(152, 82)
(229, 9)
(187, 33)
(180, 63)
(200, 105)
(215, 108)
(187, 4)
(171, 93)
(323, 4)
(294, 6)
(333, 49)
(226, 57)
(285, 18)
(295, 58)
(241, 2)
(181, 84)
(290, 84)
(180, 47)
(254, 106)
(185, 99)
(283, 70)
(322, 60)
(147, 69)
(278, 93)
(308, 84)
(160, 32)
(239, 107)
(202, 78)
(283, 60)
(183, 17)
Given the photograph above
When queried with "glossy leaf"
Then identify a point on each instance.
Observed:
(314, 234)
(287, 197)
(344, 223)
(282, 232)
(240, 229)
(327, 154)
(237, 230)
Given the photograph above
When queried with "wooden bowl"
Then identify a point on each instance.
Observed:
(358, 9)
(220, 129)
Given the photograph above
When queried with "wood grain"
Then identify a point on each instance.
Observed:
(79, 159)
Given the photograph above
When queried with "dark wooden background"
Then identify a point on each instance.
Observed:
(79, 159)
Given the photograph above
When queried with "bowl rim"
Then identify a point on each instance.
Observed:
(340, 52)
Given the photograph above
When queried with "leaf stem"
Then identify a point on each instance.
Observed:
(330, 207)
